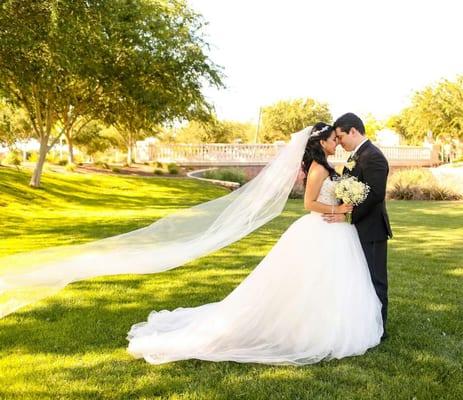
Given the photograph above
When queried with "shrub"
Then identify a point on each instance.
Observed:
(102, 164)
(227, 174)
(70, 167)
(296, 194)
(79, 158)
(33, 156)
(62, 162)
(52, 158)
(418, 184)
(116, 169)
(158, 171)
(49, 167)
(172, 168)
(13, 158)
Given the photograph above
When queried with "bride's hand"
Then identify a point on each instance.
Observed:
(344, 208)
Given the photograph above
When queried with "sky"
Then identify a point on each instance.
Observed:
(358, 56)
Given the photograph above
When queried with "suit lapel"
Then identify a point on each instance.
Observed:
(356, 157)
(356, 171)
(362, 148)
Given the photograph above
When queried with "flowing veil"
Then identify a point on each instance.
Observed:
(167, 243)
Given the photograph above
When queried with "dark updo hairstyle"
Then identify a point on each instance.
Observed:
(314, 150)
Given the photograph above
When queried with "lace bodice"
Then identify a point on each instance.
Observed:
(327, 195)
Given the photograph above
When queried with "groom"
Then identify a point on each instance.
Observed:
(369, 165)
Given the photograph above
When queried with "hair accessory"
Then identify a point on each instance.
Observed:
(317, 133)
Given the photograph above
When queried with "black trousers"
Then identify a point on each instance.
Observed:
(376, 255)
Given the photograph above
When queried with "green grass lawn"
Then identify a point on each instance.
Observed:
(72, 345)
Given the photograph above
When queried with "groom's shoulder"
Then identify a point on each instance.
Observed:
(371, 150)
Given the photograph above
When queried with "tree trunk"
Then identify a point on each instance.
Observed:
(129, 149)
(129, 154)
(35, 180)
(71, 150)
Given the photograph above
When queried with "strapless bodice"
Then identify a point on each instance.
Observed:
(327, 194)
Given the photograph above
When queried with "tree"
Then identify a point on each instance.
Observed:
(27, 75)
(437, 108)
(95, 138)
(242, 132)
(14, 125)
(215, 131)
(372, 126)
(75, 60)
(282, 119)
(398, 124)
(71, 124)
(132, 127)
(174, 66)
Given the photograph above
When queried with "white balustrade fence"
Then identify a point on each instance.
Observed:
(218, 154)
(398, 155)
(209, 154)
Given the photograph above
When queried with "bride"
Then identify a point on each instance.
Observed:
(310, 298)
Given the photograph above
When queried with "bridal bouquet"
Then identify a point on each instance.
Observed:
(351, 191)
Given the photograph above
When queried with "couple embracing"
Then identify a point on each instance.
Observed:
(320, 293)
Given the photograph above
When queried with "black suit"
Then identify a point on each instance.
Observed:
(370, 218)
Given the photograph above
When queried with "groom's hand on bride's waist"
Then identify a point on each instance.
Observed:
(331, 218)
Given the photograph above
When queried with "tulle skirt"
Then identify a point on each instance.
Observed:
(310, 298)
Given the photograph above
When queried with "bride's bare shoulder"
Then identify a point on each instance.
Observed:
(318, 170)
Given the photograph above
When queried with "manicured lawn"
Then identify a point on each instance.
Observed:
(72, 345)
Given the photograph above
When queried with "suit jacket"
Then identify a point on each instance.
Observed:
(370, 217)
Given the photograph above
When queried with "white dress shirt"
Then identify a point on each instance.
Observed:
(358, 147)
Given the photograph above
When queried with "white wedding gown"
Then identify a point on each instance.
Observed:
(310, 298)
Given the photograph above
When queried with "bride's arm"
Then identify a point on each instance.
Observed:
(315, 177)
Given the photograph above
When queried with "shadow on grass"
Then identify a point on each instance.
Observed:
(422, 357)
(102, 191)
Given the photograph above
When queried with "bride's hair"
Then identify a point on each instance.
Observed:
(314, 150)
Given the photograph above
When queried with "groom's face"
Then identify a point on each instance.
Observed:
(346, 140)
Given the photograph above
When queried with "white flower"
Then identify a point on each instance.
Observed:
(351, 191)
(350, 165)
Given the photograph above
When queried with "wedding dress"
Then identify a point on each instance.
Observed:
(310, 298)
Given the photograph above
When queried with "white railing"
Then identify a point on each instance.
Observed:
(397, 155)
(209, 154)
(218, 154)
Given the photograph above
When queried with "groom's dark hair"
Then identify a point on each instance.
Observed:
(348, 121)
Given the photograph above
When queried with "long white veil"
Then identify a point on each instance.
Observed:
(165, 244)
